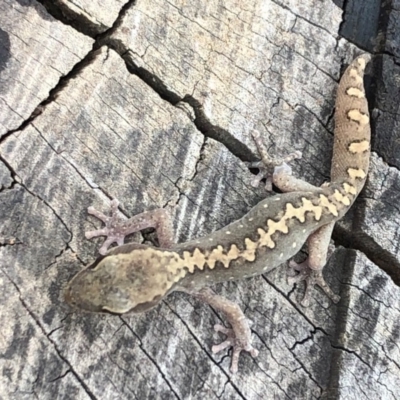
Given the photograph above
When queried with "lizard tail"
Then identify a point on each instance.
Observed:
(352, 130)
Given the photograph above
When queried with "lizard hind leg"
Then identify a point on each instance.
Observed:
(268, 164)
(310, 270)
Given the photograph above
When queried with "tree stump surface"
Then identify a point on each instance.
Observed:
(154, 103)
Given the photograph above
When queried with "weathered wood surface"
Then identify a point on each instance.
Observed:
(83, 125)
(35, 52)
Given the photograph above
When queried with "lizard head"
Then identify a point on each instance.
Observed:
(121, 283)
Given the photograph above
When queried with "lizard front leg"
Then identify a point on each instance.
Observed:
(239, 336)
(116, 228)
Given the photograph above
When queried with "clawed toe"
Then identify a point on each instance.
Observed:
(117, 228)
(268, 165)
(311, 278)
(295, 267)
(237, 345)
(113, 230)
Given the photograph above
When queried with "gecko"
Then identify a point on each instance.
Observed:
(135, 277)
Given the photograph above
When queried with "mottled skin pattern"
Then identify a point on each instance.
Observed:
(134, 277)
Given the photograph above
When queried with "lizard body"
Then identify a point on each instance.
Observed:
(135, 277)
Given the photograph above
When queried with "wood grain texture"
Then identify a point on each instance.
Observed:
(122, 124)
(5, 177)
(102, 13)
(36, 51)
(387, 109)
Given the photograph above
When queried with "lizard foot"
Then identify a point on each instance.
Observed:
(113, 230)
(238, 345)
(116, 228)
(312, 278)
(268, 164)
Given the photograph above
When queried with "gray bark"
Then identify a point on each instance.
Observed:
(153, 103)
